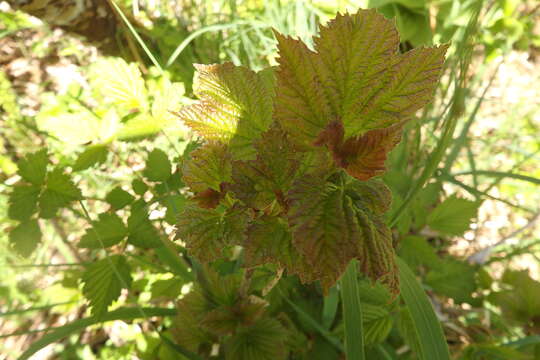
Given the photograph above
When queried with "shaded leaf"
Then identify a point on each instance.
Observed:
(25, 237)
(119, 198)
(454, 279)
(158, 166)
(207, 232)
(23, 201)
(141, 232)
(415, 250)
(139, 187)
(92, 155)
(103, 281)
(453, 216)
(209, 167)
(169, 288)
(264, 340)
(59, 192)
(107, 231)
(33, 167)
(332, 225)
(267, 178)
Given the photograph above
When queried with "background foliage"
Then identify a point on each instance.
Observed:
(91, 165)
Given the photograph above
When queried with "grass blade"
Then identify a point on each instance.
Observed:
(352, 313)
(431, 337)
(501, 174)
(77, 325)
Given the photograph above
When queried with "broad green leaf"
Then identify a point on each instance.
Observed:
(415, 250)
(120, 83)
(92, 155)
(33, 167)
(141, 232)
(139, 187)
(25, 237)
(209, 167)
(263, 340)
(269, 177)
(207, 232)
(332, 225)
(59, 192)
(103, 281)
(520, 298)
(453, 216)
(454, 279)
(23, 201)
(431, 340)
(355, 76)
(235, 106)
(158, 166)
(168, 289)
(107, 231)
(119, 198)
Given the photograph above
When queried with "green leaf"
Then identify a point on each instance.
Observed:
(140, 127)
(158, 166)
(174, 204)
(119, 198)
(415, 250)
(168, 289)
(209, 167)
(356, 77)
(207, 232)
(377, 323)
(59, 192)
(235, 106)
(103, 281)
(124, 314)
(454, 279)
(92, 155)
(139, 187)
(332, 225)
(25, 237)
(431, 337)
(107, 231)
(520, 298)
(453, 216)
(120, 83)
(23, 201)
(141, 232)
(71, 128)
(33, 167)
(263, 340)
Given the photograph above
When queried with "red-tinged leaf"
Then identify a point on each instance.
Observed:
(209, 198)
(235, 106)
(260, 182)
(207, 232)
(333, 224)
(356, 77)
(209, 167)
(361, 156)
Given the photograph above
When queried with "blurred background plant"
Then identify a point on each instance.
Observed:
(465, 182)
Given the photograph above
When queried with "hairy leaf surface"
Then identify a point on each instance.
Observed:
(333, 224)
(207, 231)
(59, 192)
(235, 106)
(107, 231)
